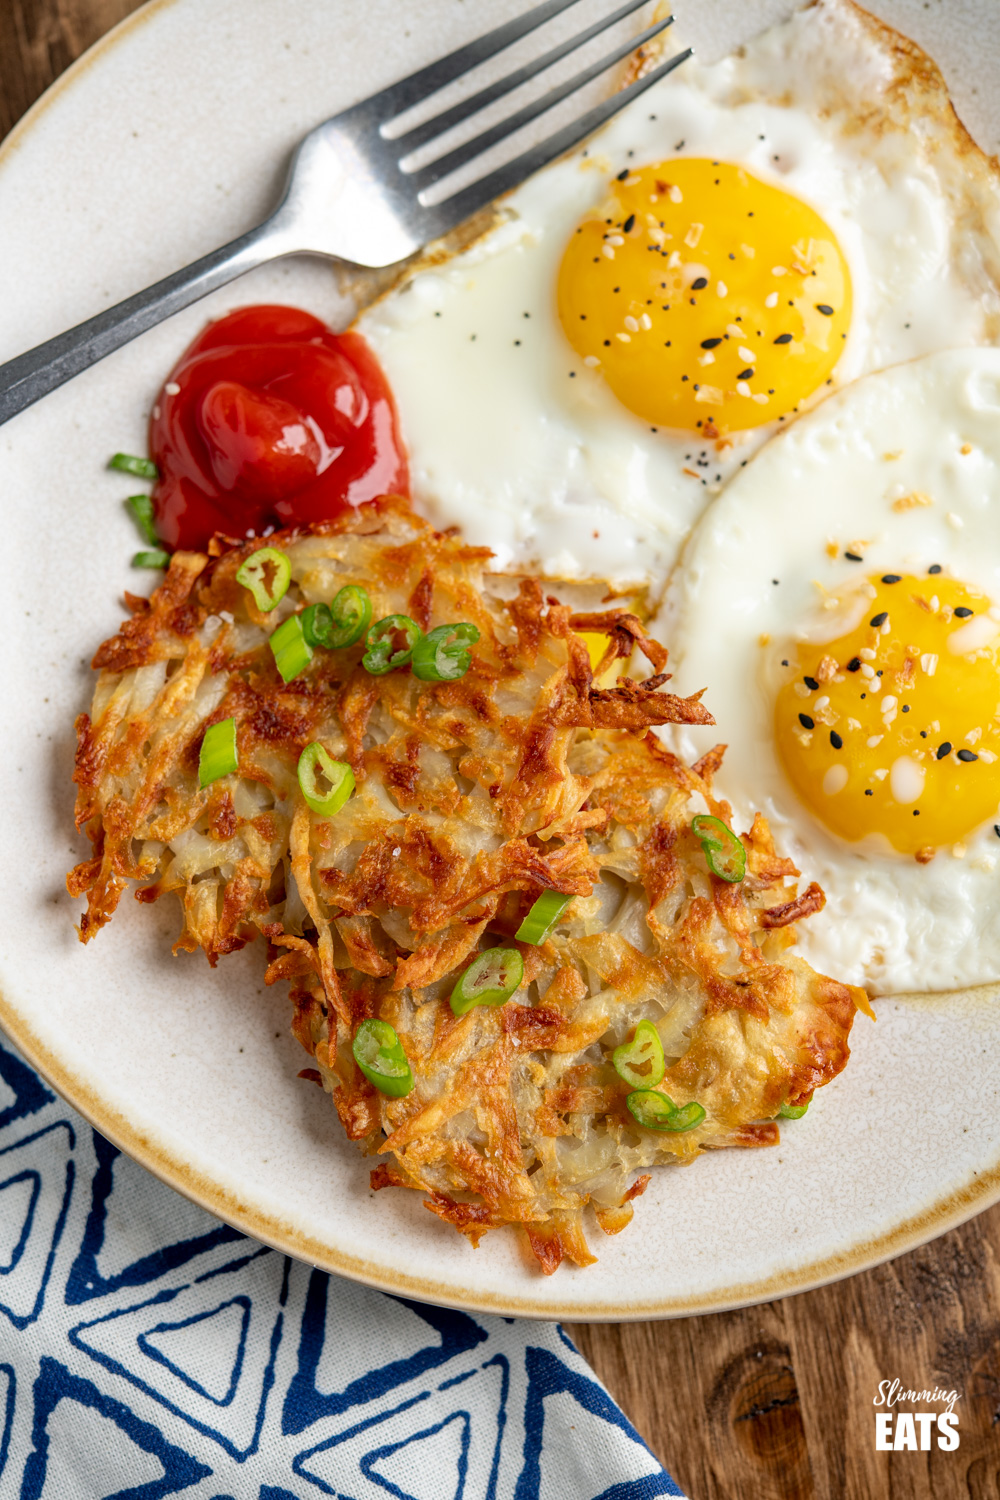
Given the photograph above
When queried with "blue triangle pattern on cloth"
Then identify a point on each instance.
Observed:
(188, 1384)
(549, 1376)
(85, 1280)
(24, 1090)
(18, 1201)
(8, 1392)
(151, 1344)
(442, 1443)
(39, 1161)
(305, 1403)
(56, 1384)
(438, 1469)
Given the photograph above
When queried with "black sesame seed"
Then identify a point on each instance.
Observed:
(699, 283)
(835, 740)
(916, 812)
(806, 722)
(825, 309)
(629, 224)
(854, 665)
(869, 792)
(784, 664)
(923, 734)
(891, 577)
(962, 612)
(783, 338)
(934, 568)
(967, 755)
(710, 343)
(996, 829)
(745, 375)
(943, 750)
(811, 683)
(853, 557)
(879, 619)
(623, 174)
(906, 708)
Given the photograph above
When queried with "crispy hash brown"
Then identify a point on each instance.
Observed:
(472, 798)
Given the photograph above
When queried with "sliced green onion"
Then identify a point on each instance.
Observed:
(379, 1054)
(141, 510)
(382, 654)
(267, 574)
(490, 979)
(156, 559)
(654, 1111)
(315, 762)
(317, 624)
(352, 615)
(724, 852)
(542, 917)
(792, 1111)
(292, 652)
(640, 1062)
(217, 756)
(442, 655)
(127, 463)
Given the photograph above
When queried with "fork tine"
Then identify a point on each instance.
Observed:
(466, 107)
(436, 170)
(426, 81)
(445, 215)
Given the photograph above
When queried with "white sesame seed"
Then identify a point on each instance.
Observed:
(708, 358)
(958, 851)
(721, 290)
(616, 240)
(873, 740)
(771, 300)
(778, 271)
(866, 653)
(824, 701)
(674, 193)
(928, 663)
(955, 522)
(866, 670)
(632, 181)
(746, 355)
(156, 413)
(631, 325)
(760, 398)
(888, 703)
(172, 388)
(607, 250)
(742, 389)
(624, 338)
(645, 322)
(694, 234)
(735, 331)
(591, 360)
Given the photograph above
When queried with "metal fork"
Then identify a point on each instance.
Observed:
(349, 196)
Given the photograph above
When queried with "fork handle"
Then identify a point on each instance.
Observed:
(31, 375)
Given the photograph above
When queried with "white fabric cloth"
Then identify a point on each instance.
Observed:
(147, 1350)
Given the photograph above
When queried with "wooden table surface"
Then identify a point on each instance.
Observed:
(772, 1402)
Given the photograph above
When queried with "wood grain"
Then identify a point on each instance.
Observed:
(772, 1402)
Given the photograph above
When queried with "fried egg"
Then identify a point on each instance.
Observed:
(842, 601)
(738, 242)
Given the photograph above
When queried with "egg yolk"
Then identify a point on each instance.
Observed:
(894, 728)
(705, 296)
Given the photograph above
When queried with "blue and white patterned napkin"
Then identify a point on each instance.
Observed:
(147, 1350)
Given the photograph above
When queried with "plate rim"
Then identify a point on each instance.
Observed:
(946, 1213)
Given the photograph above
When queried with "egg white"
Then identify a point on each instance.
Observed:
(512, 438)
(747, 582)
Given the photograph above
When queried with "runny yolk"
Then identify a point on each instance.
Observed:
(705, 296)
(894, 728)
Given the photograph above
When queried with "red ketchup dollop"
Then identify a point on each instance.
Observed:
(270, 419)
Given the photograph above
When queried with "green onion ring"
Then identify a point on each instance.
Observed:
(380, 653)
(654, 1111)
(792, 1111)
(254, 572)
(644, 1051)
(314, 762)
(140, 507)
(379, 1054)
(154, 559)
(442, 655)
(490, 979)
(128, 463)
(724, 853)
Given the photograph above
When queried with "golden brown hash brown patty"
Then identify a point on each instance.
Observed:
(472, 798)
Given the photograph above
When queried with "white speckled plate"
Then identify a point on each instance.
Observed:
(164, 141)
